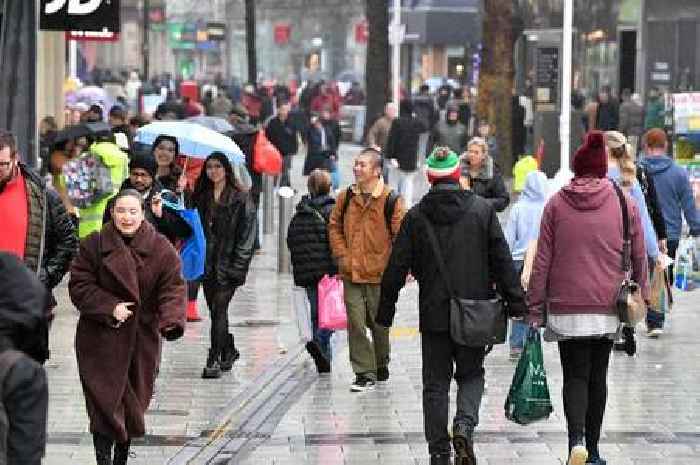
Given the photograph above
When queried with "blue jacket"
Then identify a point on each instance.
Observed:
(675, 195)
(650, 239)
(524, 220)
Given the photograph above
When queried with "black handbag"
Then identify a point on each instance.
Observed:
(629, 304)
(473, 323)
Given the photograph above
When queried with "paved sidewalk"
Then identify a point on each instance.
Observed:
(653, 414)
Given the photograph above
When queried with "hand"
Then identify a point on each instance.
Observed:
(121, 312)
(658, 264)
(663, 246)
(157, 206)
(410, 278)
(182, 184)
(394, 162)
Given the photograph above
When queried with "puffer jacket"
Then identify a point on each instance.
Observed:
(307, 239)
(230, 229)
(49, 219)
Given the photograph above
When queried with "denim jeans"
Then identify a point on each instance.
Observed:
(518, 328)
(322, 337)
(405, 183)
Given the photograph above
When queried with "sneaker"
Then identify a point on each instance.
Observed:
(382, 374)
(655, 332)
(322, 363)
(229, 355)
(212, 370)
(578, 455)
(362, 383)
(515, 353)
(440, 459)
(463, 444)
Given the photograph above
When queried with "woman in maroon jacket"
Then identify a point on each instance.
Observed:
(576, 276)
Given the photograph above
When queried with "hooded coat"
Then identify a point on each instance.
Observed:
(117, 366)
(402, 143)
(25, 391)
(473, 245)
(524, 220)
(307, 239)
(675, 195)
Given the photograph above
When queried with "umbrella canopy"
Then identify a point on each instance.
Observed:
(195, 141)
(93, 95)
(214, 123)
(83, 129)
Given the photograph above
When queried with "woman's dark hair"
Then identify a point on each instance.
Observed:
(163, 137)
(129, 193)
(204, 184)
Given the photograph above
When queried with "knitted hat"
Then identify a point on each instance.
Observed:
(144, 161)
(443, 163)
(590, 159)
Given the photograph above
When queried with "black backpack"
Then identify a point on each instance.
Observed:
(389, 207)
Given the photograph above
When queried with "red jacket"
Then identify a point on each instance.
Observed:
(578, 266)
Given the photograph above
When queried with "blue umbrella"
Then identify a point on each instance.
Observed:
(214, 123)
(195, 141)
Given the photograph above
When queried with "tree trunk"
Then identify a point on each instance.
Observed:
(496, 76)
(250, 41)
(377, 67)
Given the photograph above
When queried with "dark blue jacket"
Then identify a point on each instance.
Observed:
(675, 195)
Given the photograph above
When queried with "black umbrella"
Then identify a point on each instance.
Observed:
(81, 130)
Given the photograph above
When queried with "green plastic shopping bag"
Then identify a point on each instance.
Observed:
(528, 400)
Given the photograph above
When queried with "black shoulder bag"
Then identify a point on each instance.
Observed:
(630, 306)
(473, 323)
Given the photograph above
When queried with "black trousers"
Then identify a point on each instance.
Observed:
(441, 360)
(218, 299)
(585, 366)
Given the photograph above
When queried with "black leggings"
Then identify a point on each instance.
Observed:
(192, 290)
(218, 299)
(585, 366)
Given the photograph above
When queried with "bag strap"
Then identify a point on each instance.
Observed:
(432, 238)
(389, 207)
(626, 245)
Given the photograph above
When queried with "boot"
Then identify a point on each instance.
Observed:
(212, 370)
(440, 459)
(121, 453)
(229, 355)
(192, 314)
(103, 448)
(322, 363)
(463, 443)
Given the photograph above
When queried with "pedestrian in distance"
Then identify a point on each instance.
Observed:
(364, 222)
(402, 149)
(484, 177)
(521, 230)
(333, 127)
(378, 134)
(283, 134)
(25, 389)
(229, 221)
(452, 242)
(35, 224)
(632, 118)
(312, 259)
(577, 274)
(127, 285)
(673, 189)
(320, 142)
(450, 132)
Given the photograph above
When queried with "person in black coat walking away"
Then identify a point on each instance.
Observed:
(282, 132)
(483, 175)
(320, 142)
(307, 239)
(402, 148)
(229, 221)
(25, 389)
(462, 230)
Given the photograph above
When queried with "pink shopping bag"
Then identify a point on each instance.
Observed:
(331, 304)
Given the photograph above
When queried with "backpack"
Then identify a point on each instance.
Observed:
(8, 358)
(88, 180)
(389, 207)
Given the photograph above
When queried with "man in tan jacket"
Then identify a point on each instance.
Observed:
(361, 234)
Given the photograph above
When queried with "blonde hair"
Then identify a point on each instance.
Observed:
(480, 142)
(625, 161)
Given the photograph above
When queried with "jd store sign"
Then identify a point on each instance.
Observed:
(80, 15)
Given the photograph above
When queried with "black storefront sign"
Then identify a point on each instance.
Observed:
(547, 75)
(80, 15)
(216, 31)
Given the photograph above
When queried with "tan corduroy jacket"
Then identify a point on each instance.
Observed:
(360, 241)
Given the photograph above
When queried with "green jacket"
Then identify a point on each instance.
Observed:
(654, 117)
(118, 164)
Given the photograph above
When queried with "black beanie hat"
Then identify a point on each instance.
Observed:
(145, 161)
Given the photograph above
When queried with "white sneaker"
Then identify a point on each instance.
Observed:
(578, 455)
(655, 332)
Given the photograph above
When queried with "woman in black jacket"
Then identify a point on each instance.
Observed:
(307, 239)
(485, 178)
(229, 221)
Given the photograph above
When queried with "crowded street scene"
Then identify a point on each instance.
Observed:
(284, 232)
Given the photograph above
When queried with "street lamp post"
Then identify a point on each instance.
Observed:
(396, 40)
(145, 49)
(565, 173)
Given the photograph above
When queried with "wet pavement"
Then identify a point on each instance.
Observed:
(274, 409)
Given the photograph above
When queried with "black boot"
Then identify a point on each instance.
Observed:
(103, 448)
(440, 459)
(463, 443)
(121, 452)
(212, 369)
(229, 355)
(322, 363)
